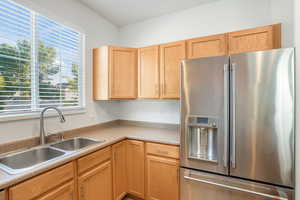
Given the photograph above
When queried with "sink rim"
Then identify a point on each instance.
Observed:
(12, 171)
(97, 141)
(66, 153)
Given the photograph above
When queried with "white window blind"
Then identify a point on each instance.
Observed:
(15, 58)
(40, 62)
(58, 63)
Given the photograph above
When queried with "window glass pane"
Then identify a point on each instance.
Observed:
(58, 64)
(15, 58)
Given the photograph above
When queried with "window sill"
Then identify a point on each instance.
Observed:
(36, 115)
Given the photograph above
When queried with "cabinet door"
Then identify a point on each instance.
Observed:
(64, 192)
(123, 73)
(119, 170)
(96, 184)
(257, 39)
(135, 168)
(215, 45)
(171, 55)
(148, 72)
(162, 178)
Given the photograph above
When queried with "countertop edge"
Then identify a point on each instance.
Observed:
(71, 157)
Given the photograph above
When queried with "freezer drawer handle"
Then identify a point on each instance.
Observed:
(235, 188)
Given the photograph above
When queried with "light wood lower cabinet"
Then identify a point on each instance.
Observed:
(145, 170)
(96, 184)
(64, 192)
(119, 170)
(162, 178)
(46, 184)
(136, 168)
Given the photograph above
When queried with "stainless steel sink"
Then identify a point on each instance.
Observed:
(28, 159)
(42, 155)
(75, 143)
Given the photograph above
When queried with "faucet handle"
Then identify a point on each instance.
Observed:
(55, 136)
(60, 136)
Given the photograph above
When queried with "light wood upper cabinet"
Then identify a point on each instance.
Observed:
(119, 170)
(148, 72)
(136, 168)
(115, 73)
(257, 39)
(171, 55)
(97, 183)
(64, 192)
(162, 178)
(154, 72)
(215, 45)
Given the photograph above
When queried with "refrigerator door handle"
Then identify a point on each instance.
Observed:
(226, 114)
(235, 188)
(233, 152)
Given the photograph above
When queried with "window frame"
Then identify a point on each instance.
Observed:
(35, 112)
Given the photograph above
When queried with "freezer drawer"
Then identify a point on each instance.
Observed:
(197, 185)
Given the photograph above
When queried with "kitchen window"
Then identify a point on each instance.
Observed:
(40, 62)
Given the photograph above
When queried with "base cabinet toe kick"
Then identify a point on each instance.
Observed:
(197, 185)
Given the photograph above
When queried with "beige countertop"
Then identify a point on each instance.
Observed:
(111, 134)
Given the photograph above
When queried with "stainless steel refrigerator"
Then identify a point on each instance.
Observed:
(237, 127)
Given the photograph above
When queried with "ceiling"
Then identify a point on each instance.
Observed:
(124, 12)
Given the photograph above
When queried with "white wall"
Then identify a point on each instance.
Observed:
(213, 18)
(98, 32)
(160, 111)
(283, 11)
(207, 19)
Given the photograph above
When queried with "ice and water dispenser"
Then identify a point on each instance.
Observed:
(202, 138)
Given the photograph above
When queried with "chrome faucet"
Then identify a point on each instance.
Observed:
(42, 129)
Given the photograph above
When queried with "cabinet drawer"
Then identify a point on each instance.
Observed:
(87, 162)
(40, 184)
(64, 192)
(162, 150)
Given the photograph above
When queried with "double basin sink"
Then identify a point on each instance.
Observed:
(43, 155)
